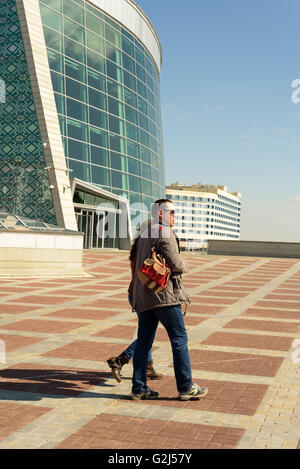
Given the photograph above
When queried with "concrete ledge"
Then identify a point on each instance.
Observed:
(35, 254)
(254, 248)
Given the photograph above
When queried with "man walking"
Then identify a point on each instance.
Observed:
(164, 307)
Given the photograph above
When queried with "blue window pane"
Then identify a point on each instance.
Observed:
(128, 63)
(140, 58)
(141, 74)
(146, 171)
(117, 143)
(112, 34)
(113, 53)
(82, 170)
(76, 110)
(142, 105)
(141, 88)
(116, 125)
(94, 42)
(72, 10)
(76, 90)
(77, 130)
(114, 71)
(99, 156)
(130, 97)
(97, 118)
(144, 138)
(145, 154)
(95, 61)
(97, 80)
(147, 187)
(114, 89)
(127, 34)
(131, 114)
(118, 161)
(100, 175)
(60, 103)
(115, 107)
(132, 132)
(51, 18)
(143, 121)
(134, 166)
(97, 99)
(54, 41)
(133, 149)
(98, 137)
(75, 70)
(94, 24)
(127, 46)
(119, 180)
(55, 4)
(55, 61)
(58, 82)
(78, 150)
(129, 80)
(134, 183)
(73, 30)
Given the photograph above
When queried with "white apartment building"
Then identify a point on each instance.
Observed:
(204, 212)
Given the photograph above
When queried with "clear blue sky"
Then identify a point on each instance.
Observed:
(228, 116)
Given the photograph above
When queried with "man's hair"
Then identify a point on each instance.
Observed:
(157, 204)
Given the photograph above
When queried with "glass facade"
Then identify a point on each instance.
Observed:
(106, 88)
(24, 187)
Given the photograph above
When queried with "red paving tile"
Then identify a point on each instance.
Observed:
(223, 396)
(78, 292)
(43, 299)
(5, 290)
(87, 350)
(83, 313)
(46, 379)
(272, 313)
(278, 304)
(117, 432)
(122, 332)
(36, 325)
(273, 326)
(233, 288)
(13, 416)
(9, 308)
(237, 363)
(203, 309)
(288, 291)
(214, 300)
(13, 342)
(282, 297)
(265, 342)
(110, 303)
(216, 293)
(193, 320)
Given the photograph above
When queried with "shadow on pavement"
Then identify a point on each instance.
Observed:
(52, 383)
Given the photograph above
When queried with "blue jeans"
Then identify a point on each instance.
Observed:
(130, 350)
(172, 319)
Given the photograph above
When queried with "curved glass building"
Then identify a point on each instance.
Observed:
(87, 76)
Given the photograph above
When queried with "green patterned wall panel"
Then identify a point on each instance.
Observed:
(24, 183)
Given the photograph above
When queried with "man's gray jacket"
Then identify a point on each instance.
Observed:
(165, 243)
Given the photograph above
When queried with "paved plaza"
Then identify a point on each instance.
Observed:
(56, 390)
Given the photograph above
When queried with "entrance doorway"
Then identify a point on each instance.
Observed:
(95, 225)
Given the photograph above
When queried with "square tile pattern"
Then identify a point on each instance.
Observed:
(48, 325)
(120, 432)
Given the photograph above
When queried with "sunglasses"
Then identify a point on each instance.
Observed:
(172, 212)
